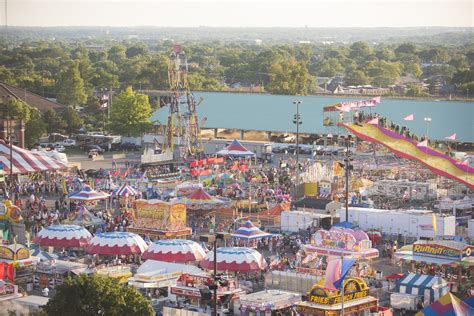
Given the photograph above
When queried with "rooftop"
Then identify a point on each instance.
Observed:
(30, 98)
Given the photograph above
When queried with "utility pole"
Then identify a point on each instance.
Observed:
(347, 168)
(296, 120)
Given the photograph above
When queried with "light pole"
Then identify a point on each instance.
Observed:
(213, 239)
(296, 120)
(428, 121)
(347, 168)
(10, 136)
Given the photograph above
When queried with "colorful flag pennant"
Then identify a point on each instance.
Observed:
(410, 117)
(452, 137)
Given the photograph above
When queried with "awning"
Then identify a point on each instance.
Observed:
(431, 260)
(25, 161)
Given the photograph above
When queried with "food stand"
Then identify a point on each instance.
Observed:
(266, 303)
(192, 288)
(324, 302)
(448, 259)
(52, 273)
(160, 220)
(17, 259)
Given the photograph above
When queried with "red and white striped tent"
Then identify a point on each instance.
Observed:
(25, 161)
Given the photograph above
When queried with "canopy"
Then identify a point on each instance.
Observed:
(236, 149)
(125, 190)
(421, 284)
(84, 218)
(63, 236)
(25, 161)
(200, 199)
(448, 305)
(249, 231)
(236, 259)
(42, 255)
(117, 243)
(345, 225)
(88, 194)
(175, 250)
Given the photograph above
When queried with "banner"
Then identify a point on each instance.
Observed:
(337, 170)
(155, 214)
(352, 105)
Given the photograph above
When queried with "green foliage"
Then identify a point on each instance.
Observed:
(73, 120)
(34, 128)
(130, 113)
(54, 123)
(71, 89)
(356, 78)
(16, 107)
(289, 76)
(383, 73)
(415, 91)
(96, 295)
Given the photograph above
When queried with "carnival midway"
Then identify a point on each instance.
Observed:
(377, 222)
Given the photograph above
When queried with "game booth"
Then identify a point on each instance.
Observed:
(17, 265)
(266, 303)
(451, 260)
(344, 242)
(159, 220)
(323, 302)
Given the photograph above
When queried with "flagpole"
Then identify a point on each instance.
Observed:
(342, 288)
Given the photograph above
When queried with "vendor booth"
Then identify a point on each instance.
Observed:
(51, 273)
(160, 220)
(17, 265)
(415, 287)
(324, 302)
(267, 302)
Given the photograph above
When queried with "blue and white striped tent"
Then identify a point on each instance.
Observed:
(428, 286)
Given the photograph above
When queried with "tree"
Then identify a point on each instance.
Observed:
(54, 123)
(360, 52)
(71, 86)
(16, 107)
(130, 113)
(412, 68)
(405, 48)
(328, 67)
(356, 78)
(117, 54)
(35, 127)
(289, 76)
(96, 295)
(73, 119)
(383, 73)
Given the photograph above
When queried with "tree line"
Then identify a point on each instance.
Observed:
(75, 73)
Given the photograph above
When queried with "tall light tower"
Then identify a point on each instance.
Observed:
(297, 122)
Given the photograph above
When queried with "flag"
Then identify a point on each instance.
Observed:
(374, 121)
(423, 144)
(410, 117)
(336, 271)
(125, 174)
(433, 222)
(464, 163)
(347, 264)
(376, 100)
(452, 137)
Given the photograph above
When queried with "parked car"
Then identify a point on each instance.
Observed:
(59, 148)
(68, 142)
(130, 146)
(99, 149)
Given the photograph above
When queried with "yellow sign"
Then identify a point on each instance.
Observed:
(337, 170)
(354, 289)
(6, 253)
(22, 253)
(159, 215)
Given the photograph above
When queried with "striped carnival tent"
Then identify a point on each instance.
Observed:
(116, 243)
(174, 250)
(448, 305)
(249, 232)
(235, 259)
(26, 161)
(88, 194)
(428, 286)
(235, 149)
(125, 190)
(201, 200)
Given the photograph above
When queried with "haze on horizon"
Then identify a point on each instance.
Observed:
(242, 13)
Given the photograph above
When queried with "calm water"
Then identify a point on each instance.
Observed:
(275, 113)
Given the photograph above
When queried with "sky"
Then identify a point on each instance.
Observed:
(239, 13)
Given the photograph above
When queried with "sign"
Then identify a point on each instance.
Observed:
(159, 215)
(337, 170)
(6, 253)
(354, 289)
(437, 250)
(22, 253)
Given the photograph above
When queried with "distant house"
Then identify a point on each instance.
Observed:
(30, 98)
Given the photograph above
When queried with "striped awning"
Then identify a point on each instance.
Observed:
(26, 161)
(416, 284)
